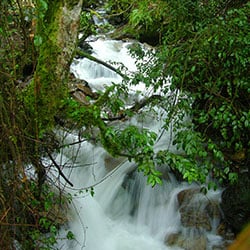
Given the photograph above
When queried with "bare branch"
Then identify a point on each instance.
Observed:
(59, 170)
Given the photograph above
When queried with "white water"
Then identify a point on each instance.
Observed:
(125, 213)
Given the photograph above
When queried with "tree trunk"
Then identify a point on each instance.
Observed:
(56, 39)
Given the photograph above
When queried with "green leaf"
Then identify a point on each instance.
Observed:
(43, 5)
(246, 123)
(193, 68)
(92, 192)
(38, 40)
(53, 229)
(226, 170)
(70, 236)
(158, 180)
(233, 177)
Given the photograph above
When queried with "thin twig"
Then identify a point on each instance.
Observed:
(59, 170)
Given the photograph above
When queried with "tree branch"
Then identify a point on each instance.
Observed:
(137, 106)
(94, 59)
(59, 170)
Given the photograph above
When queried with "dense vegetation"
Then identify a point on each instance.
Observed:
(203, 45)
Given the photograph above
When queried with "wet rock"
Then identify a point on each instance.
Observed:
(80, 97)
(197, 243)
(223, 247)
(193, 218)
(193, 210)
(79, 85)
(152, 38)
(224, 231)
(227, 236)
(186, 195)
(83, 45)
(165, 175)
(172, 239)
(81, 91)
(236, 203)
(213, 209)
(111, 162)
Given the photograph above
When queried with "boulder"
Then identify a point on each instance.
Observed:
(193, 210)
(190, 217)
(186, 195)
(111, 163)
(197, 243)
(224, 231)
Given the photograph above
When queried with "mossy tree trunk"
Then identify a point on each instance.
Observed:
(27, 111)
(56, 38)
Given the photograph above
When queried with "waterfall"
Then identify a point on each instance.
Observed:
(125, 213)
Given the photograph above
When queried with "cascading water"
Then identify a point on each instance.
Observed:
(125, 213)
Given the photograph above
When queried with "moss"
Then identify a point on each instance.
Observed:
(72, 3)
(51, 72)
(48, 87)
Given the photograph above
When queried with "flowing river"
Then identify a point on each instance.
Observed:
(125, 213)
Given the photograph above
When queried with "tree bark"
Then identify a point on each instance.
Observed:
(56, 39)
(57, 30)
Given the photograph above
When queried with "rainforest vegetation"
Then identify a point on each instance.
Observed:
(204, 45)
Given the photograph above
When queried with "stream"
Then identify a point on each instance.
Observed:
(125, 213)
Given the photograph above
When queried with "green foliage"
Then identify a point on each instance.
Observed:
(207, 99)
(137, 144)
(205, 48)
(147, 20)
(148, 14)
(90, 190)
(206, 51)
(14, 43)
(41, 9)
(136, 140)
(87, 27)
(25, 202)
(49, 211)
(215, 70)
(70, 236)
(132, 142)
(119, 8)
(184, 165)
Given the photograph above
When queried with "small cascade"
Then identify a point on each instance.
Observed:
(125, 213)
